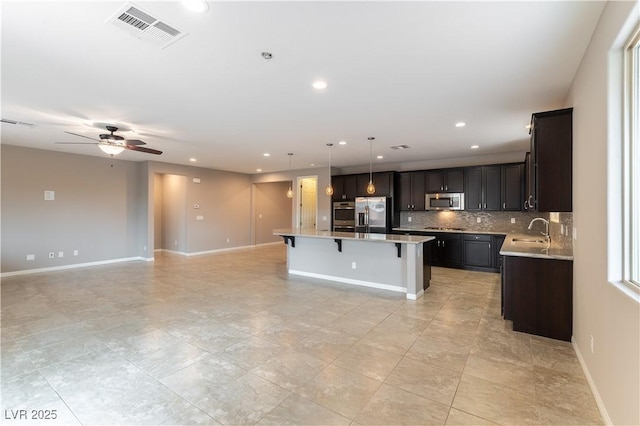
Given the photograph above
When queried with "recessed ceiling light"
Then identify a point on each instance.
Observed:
(320, 84)
(258, 170)
(379, 157)
(461, 124)
(196, 5)
(266, 154)
(193, 160)
(342, 143)
(475, 146)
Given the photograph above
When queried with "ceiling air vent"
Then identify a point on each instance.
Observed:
(17, 123)
(144, 26)
(398, 147)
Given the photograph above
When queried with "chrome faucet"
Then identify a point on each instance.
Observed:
(546, 227)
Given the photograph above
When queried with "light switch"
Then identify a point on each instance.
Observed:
(196, 180)
(49, 195)
(199, 217)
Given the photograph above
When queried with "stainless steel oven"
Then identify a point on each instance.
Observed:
(344, 216)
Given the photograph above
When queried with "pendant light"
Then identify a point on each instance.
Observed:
(329, 189)
(290, 190)
(371, 189)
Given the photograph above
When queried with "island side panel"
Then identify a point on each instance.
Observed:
(414, 283)
(377, 264)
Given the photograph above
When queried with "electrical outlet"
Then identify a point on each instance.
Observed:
(31, 257)
(324, 218)
(409, 218)
(52, 255)
(591, 336)
(478, 219)
(513, 220)
(353, 265)
(60, 254)
(75, 252)
(199, 217)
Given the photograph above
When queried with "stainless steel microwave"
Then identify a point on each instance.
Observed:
(444, 201)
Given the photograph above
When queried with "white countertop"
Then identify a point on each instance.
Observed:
(359, 236)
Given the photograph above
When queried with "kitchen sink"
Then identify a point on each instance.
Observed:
(529, 240)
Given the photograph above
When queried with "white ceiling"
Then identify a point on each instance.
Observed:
(404, 72)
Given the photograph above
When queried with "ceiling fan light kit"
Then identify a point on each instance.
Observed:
(113, 144)
(111, 149)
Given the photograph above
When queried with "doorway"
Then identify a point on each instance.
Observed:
(308, 196)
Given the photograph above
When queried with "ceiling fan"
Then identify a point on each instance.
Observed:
(113, 144)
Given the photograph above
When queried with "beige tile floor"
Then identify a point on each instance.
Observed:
(232, 339)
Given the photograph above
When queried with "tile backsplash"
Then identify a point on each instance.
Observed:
(491, 221)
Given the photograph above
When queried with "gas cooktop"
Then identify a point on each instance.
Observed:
(432, 228)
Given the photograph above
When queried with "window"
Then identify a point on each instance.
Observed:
(631, 158)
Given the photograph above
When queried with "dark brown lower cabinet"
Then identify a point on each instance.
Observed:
(538, 296)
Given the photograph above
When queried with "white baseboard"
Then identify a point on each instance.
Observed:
(349, 281)
(222, 250)
(596, 395)
(73, 266)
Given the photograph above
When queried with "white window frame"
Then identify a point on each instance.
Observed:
(631, 163)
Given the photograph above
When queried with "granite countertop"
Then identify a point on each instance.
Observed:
(360, 236)
(452, 230)
(510, 248)
(543, 251)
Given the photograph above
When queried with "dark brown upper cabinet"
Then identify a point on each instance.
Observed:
(550, 184)
(512, 187)
(482, 188)
(344, 187)
(444, 180)
(383, 182)
(411, 195)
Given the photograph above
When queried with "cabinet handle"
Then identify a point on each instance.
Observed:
(504, 206)
(485, 205)
(489, 246)
(525, 205)
(443, 244)
(441, 188)
(446, 188)
(479, 205)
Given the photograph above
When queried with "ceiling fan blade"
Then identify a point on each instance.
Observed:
(134, 142)
(82, 136)
(77, 143)
(142, 149)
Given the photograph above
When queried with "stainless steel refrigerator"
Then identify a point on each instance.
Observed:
(373, 215)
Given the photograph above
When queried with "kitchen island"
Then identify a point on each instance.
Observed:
(384, 261)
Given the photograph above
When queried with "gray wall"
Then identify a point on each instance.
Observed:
(324, 201)
(600, 309)
(106, 209)
(94, 211)
(223, 199)
(174, 212)
(272, 210)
